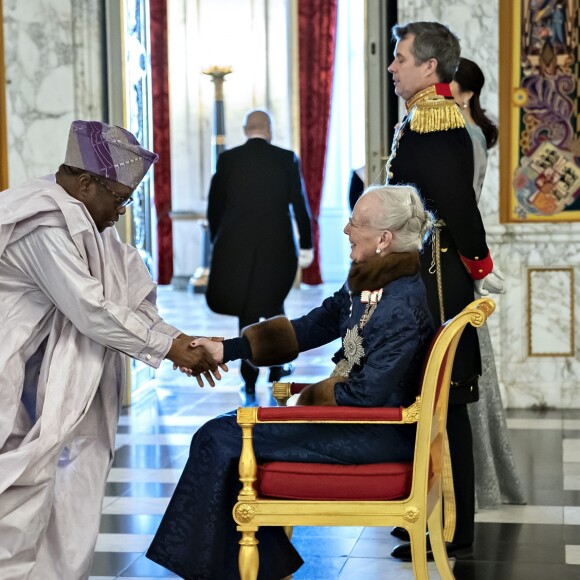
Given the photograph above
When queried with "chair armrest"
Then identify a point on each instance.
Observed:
(283, 391)
(340, 414)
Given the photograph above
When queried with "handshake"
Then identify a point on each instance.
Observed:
(198, 357)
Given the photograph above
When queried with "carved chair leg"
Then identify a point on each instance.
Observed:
(248, 559)
(288, 530)
(419, 552)
(438, 543)
(448, 494)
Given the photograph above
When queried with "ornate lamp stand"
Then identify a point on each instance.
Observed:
(198, 281)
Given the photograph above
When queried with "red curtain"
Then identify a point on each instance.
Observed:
(316, 43)
(161, 137)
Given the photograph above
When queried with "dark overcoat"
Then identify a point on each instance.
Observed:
(254, 256)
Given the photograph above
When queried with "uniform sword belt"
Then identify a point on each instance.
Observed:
(435, 267)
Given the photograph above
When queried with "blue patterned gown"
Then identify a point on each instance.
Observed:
(197, 538)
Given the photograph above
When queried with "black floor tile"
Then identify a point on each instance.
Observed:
(497, 551)
(477, 570)
(114, 488)
(112, 563)
(551, 535)
(147, 456)
(139, 489)
(571, 497)
(572, 537)
(129, 524)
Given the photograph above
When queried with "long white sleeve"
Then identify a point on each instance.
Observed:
(50, 258)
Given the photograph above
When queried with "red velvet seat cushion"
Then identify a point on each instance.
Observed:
(321, 481)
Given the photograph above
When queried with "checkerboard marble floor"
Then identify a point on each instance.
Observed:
(537, 541)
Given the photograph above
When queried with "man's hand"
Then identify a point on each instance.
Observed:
(198, 361)
(492, 283)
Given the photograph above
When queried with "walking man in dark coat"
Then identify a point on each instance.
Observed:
(254, 255)
(432, 150)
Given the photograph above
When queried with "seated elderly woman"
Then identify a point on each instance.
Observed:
(382, 316)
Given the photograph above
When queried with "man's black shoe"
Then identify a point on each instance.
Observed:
(400, 533)
(403, 551)
(276, 373)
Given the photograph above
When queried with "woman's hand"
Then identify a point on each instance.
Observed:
(321, 393)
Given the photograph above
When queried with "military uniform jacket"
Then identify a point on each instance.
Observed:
(440, 165)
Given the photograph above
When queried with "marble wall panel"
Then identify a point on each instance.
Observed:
(550, 330)
(53, 75)
(534, 381)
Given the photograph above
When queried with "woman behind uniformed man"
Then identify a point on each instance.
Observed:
(496, 477)
(381, 315)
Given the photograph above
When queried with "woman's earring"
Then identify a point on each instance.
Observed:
(465, 104)
(378, 250)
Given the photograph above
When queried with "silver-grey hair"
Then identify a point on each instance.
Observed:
(401, 212)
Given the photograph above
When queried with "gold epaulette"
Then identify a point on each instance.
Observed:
(430, 112)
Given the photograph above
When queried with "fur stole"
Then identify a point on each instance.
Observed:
(382, 270)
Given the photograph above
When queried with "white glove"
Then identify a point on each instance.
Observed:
(492, 283)
(291, 402)
(305, 258)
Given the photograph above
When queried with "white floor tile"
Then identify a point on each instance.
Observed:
(137, 505)
(365, 568)
(123, 542)
(535, 424)
(572, 515)
(175, 439)
(107, 500)
(523, 514)
(167, 421)
(571, 448)
(573, 555)
(572, 482)
(126, 474)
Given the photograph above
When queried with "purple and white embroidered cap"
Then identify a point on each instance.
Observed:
(108, 151)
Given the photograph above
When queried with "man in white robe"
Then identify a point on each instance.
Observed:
(73, 299)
